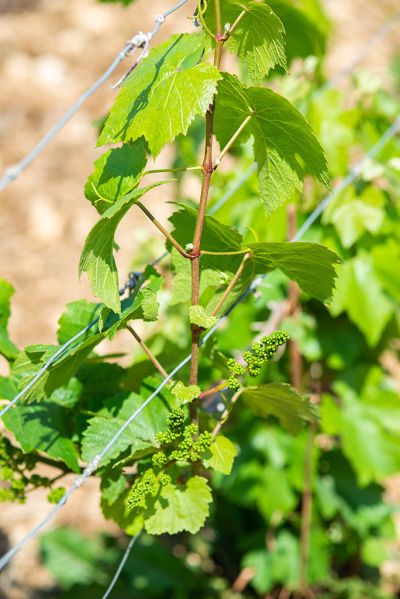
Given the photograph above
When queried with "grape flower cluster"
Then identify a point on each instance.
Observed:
(15, 473)
(148, 484)
(261, 352)
(179, 443)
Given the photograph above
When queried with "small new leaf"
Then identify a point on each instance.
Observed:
(223, 454)
(258, 39)
(198, 317)
(185, 394)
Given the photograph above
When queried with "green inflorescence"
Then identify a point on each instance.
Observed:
(261, 352)
(15, 477)
(179, 443)
(56, 494)
(147, 484)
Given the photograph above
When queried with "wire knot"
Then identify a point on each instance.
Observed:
(160, 19)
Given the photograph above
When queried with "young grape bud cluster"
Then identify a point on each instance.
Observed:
(146, 485)
(179, 443)
(261, 352)
(184, 444)
(15, 467)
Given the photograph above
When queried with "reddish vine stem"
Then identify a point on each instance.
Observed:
(296, 372)
(208, 169)
(294, 301)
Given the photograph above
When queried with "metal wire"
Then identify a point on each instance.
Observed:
(121, 566)
(46, 366)
(13, 172)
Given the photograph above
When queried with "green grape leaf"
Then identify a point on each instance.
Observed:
(72, 558)
(223, 454)
(139, 305)
(352, 220)
(282, 401)
(7, 347)
(77, 316)
(359, 293)
(43, 427)
(7, 388)
(97, 258)
(139, 435)
(386, 262)
(113, 484)
(185, 394)
(311, 265)
(116, 173)
(212, 282)
(285, 147)
(312, 41)
(375, 419)
(198, 317)
(161, 85)
(179, 507)
(216, 236)
(258, 40)
(68, 395)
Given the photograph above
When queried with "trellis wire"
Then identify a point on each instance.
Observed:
(121, 565)
(140, 40)
(46, 366)
(92, 467)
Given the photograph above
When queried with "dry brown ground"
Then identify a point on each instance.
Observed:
(50, 51)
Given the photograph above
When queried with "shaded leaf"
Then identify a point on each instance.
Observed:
(97, 258)
(72, 558)
(116, 173)
(43, 427)
(359, 293)
(285, 146)
(282, 401)
(140, 305)
(311, 265)
(139, 435)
